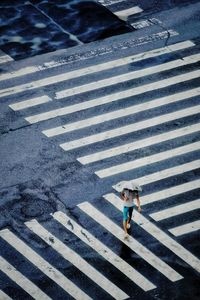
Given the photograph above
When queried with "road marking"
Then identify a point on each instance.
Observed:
(185, 229)
(84, 71)
(132, 243)
(170, 172)
(43, 265)
(124, 14)
(104, 251)
(112, 97)
(29, 103)
(146, 23)
(4, 58)
(109, 2)
(147, 160)
(127, 76)
(158, 234)
(4, 296)
(129, 128)
(22, 281)
(121, 112)
(170, 192)
(76, 260)
(175, 210)
(159, 138)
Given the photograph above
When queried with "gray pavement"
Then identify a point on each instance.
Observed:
(77, 121)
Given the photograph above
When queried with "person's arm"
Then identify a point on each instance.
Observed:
(138, 202)
(123, 196)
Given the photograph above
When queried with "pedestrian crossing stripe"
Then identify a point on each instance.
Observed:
(185, 229)
(147, 160)
(4, 296)
(77, 260)
(158, 234)
(104, 251)
(125, 13)
(86, 70)
(170, 192)
(176, 210)
(66, 284)
(22, 281)
(166, 173)
(128, 76)
(131, 128)
(125, 148)
(132, 243)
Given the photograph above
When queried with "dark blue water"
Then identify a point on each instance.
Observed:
(34, 27)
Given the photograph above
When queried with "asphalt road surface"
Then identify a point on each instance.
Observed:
(77, 121)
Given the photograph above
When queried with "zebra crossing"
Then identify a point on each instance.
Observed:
(115, 143)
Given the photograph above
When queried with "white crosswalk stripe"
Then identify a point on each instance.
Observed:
(43, 265)
(104, 251)
(129, 128)
(135, 145)
(185, 229)
(4, 296)
(128, 76)
(176, 210)
(133, 244)
(158, 234)
(77, 260)
(21, 280)
(29, 103)
(125, 13)
(148, 160)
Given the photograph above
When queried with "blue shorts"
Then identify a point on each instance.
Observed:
(127, 212)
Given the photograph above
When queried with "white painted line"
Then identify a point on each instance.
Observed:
(113, 97)
(127, 76)
(147, 160)
(22, 281)
(104, 251)
(124, 14)
(29, 103)
(4, 296)
(185, 229)
(110, 2)
(160, 175)
(129, 128)
(132, 243)
(159, 138)
(170, 192)
(146, 23)
(76, 260)
(160, 235)
(122, 112)
(176, 210)
(66, 284)
(5, 58)
(84, 71)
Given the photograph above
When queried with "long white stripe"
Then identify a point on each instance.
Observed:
(84, 71)
(170, 192)
(113, 97)
(128, 76)
(128, 12)
(22, 281)
(185, 229)
(5, 58)
(104, 251)
(129, 128)
(122, 112)
(160, 235)
(148, 160)
(176, 210)
(167, 173)
(29, 103)
(4, 296)
(137, 145)
(43, 265)
(132, 243)
(76, 260)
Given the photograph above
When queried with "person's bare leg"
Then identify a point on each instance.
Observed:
(125, 228)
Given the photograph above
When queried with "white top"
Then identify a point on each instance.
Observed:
(131, 195)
